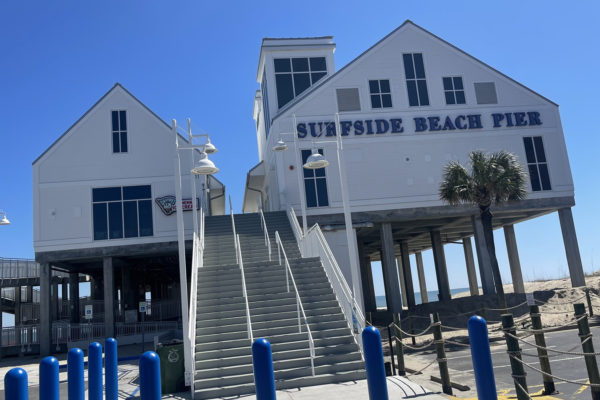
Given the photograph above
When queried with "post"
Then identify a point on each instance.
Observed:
(407, 273)
(470, 263)
(110, 361)
(513, 259)
(482, 358)
(75, 374)
(45, 310)
(514, 353)
(376, 379)
(74, 297)
(441, 354)
(15, 385)
(402, 281)
(264, 377)
(441, 272)
(540, 340)
(108, 275)
(49, 385)
(95, 371)
(399, 347)
(588, 299)
(150, 376)
(567, 227)
(421, 274)
(485, 263)
(300, 179)
(391, 345)
(391, 279)
(588, 347)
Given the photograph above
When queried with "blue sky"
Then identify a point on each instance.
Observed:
(198, 59)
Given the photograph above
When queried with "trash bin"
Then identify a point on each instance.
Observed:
(172, 368)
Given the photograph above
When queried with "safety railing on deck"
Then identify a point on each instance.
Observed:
(16, 268)
(315, 245)
(244, 291)
(299, 307)
(263, 225)
(235, 242)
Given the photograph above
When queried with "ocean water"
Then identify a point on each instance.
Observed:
(432, 295)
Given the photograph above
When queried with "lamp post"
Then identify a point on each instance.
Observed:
(202, 167)
(4, 220)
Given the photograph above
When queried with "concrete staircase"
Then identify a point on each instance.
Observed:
(223, 353)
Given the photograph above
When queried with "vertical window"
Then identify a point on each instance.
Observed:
(537, 164)
(122, 212)
(454, 90)
(415, 79)
(294, 75)
(381, 95)
(315, 183)
(119, 131)
(265, 101)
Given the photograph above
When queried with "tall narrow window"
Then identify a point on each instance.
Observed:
(119, 131)
(315, 183)
(294, 75)
(537, 164)
(381, 95)
(415, 79)
(265, 101)
(454, 90)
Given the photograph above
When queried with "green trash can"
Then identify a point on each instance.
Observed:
(172, 368)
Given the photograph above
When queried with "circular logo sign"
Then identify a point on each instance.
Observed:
(173, 356)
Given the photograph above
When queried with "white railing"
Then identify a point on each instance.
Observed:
(244, 291)
(263, 225)
(299, 307)
(197, 262)
(24, 335)
(315, 245)
(235, 241)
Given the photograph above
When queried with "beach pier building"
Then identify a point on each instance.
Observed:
(403, 109)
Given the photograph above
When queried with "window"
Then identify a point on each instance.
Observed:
(294, 75)
(265, 101)
(119, 131)
(381, 95)
(315, 183)
(485, 93)
(537, 164)
(415, 79)
(348, 99)
(454, 90)
(122, 212)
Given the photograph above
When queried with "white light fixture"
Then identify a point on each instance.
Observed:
(280, 146)
(209, 148)
(204, 166)
(4, 220)
(316, 161)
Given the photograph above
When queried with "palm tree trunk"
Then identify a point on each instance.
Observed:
(488, 233)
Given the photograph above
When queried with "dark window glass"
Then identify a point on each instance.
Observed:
(449, 97)
(453, 90)
(265, 99)
(115, 141)
(318, 64)
(423, 96)
(409, 69)
(374, 86)
(123, 142)
(413, 98)
(460, 97)
(386, 100)
(282, 65)
(458, 83)
(447, 84)
(535, 179)
(375, 101)
(384, 85)
(130, 218)
(419, 67)
(145, 210)
(316, 76)
(311, 193)
(115, 220)
(545, 177)
(106, 194)
(301, 83)
(115, 120)
(320, 171)
(536, 163)
(529, 149)
(322, 192)
(539, 149)
(285, 90)
(300, 64)
(136, 192)
(100, 221)
(308, 173)
(123, 120)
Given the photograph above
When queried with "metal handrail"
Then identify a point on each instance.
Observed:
(314, 244)
(197, 262)
(244, 291)
(263, 225)
(235, 242)
(299, 307)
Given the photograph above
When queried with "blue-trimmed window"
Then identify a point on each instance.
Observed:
(381, 94)
(416, 84)
(537, 163)
(120, 212)
(294, 75)
(315, 183)
(454, 90)
(119, 131)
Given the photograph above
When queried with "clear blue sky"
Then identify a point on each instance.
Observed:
(198, 59)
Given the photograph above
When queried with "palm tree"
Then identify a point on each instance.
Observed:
(497, 178)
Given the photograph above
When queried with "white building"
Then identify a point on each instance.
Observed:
(407, 106)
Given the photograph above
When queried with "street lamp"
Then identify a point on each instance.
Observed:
(4, 220)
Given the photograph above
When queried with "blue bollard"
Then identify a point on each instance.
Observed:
(110, 369)
(75, 374)
(482, 358)
(15, 384)
(95, 371)
(264, 377)
(150, 376)
(49, 379)
(374, 362)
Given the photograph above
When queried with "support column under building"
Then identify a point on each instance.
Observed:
(18, 306)
(470, 262)
(64, 301)
(74, 297)
(513, 259)
(401, 276)
(390, 271)
(55, 303)
(567, 226)
(109, 296)
(408, 282)
(45, 315)
(366, 275)
(441, 272)
(421, 274)
(485, 263)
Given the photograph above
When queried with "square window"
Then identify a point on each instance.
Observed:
(380, 93)
(485, 93)
(453, 90)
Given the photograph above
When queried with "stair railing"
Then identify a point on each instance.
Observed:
(235, 241)
(314, 244)
(244, 292)
(299, 307)
(263, 225)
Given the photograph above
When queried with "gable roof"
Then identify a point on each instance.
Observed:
(116, 85)
(408, 22)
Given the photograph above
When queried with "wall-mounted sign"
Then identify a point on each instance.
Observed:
(89, 311)
(168, 204)
(419, 124)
